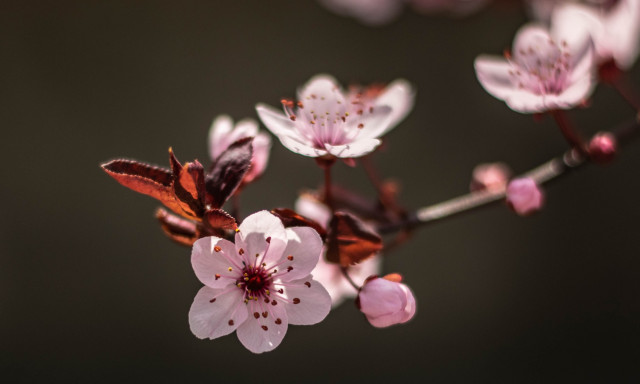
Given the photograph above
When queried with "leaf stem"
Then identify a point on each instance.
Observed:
(345, 273)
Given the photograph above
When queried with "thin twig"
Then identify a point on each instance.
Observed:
(544, 173)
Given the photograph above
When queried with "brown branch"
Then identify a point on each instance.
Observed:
(544, 173)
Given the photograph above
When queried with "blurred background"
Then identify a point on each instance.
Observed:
(92, 291)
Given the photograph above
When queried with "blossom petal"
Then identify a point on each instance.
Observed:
(275, 120)
(372, 125)
(261, 236)
(211, 257)
(575, 94)
(209, 318)
(310, 207)
(261, 147)
(319, 87)
(297, 146)
(493, 75)
(262, 334)
(356, 149)
(399, 95)
(220, 128)
(304, 247)
(309, 302)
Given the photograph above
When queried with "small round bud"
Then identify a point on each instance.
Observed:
(490, 176)
(385, 301)
(524, 196)
(603, 147)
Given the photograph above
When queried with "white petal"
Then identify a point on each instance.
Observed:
(399, 95)
(258, 339)
(220, 128)
(373, 124)
(275, 120)
(259, 233)
(310, 207)
(300, 147)
(355, 149)
(304, 247)
(261, 147)
(532, 35)
(493, 74)
(623, 32)
(318, 85)
(207, 262)
(526, 102)
(313, 301)
(209, 319)
(572, 96)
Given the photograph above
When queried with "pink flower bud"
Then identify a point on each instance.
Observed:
(524, 196)
(603, 147)
(490, 176)
(385, 301)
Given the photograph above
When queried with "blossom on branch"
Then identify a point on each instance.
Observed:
(524, 196)
(544, 71)
(327, 121)
(258, 285)
(330, 274)
(223, 133)
(385, 301)
(615, 31)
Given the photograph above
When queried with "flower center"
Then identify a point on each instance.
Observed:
(255, 281)
(543, 67)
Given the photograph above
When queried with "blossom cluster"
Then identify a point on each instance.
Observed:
(291, 266)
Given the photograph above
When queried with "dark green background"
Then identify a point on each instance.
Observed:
(92, 291)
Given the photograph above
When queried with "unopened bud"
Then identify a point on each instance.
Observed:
(603, 147)
(490, 176)
(524, 196)
(385, 301)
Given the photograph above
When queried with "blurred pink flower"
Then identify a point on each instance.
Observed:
(541, 10)
(385, 301)
(258, 285)
(371, 12)
(223, 133)
(329, 274)
(543, 72)
(490, 176)
(379, 12)
(328, 121)
(524, 196)
(457, 7)
(615, 30)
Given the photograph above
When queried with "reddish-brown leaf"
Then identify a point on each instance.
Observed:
(144, 178)
(291, 218)
(180, 230)
(351, 240)
(228, 171)
(219, 219)
(189, 187)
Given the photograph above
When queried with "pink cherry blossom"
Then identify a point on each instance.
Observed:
(524, 196)
(543, 72)
(457, 7)
(542, 10)
(258, 285)
(326, 121)
(371, 12)
(615, 30)
(490, 176)
(385, 301)
(223, 133)
(329, 274)
(379, 12)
